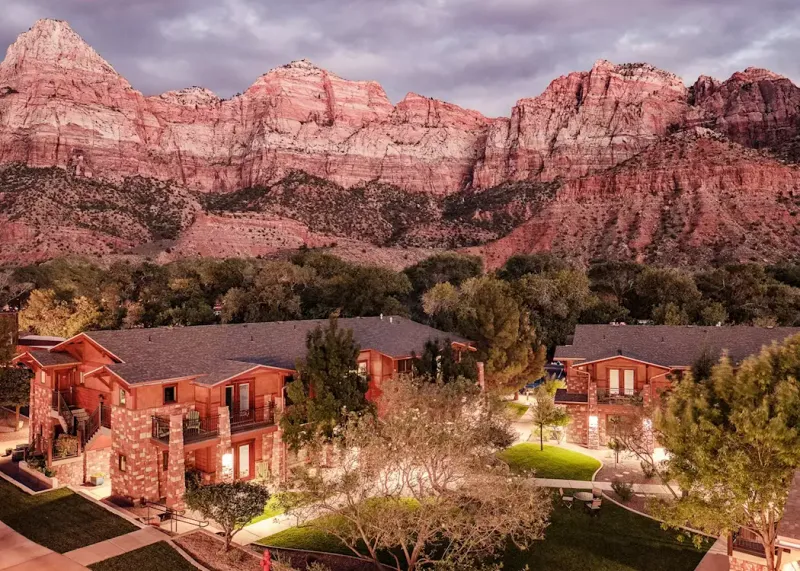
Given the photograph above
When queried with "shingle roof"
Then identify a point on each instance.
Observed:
(48, 359)
(670, 346)
(789, 526)
(218, 352)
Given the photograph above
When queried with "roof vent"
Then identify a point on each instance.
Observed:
(149, 338)
(381, 317)
(619, 351)
(662, 339)
(391, 319)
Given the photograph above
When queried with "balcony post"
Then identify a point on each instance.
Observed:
(176, 468)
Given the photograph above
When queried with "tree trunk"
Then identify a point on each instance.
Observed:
(16, 418)
(541, 437)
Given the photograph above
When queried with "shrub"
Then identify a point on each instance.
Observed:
(623, 489)
(648, 470)
(66, 445)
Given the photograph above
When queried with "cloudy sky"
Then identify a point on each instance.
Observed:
(482, 54)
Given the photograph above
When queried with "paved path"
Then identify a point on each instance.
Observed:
(605, 486)
(115, 546)
(265, 528)
(18, 553)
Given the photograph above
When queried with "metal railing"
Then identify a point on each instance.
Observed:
(747, 546)
(252, 418)
(172, 516)
(100, 417)
(620, 395)
(60, 405)
(194, 429)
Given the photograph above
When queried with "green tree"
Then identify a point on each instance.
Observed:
(46, 314)
(231, 505)
(440, 361)
(666, 294)
(521, 265)
(327, 388)
(734, 444)
(555, 301)
(488, 313)
(449, 267)
(14, 381)
(616, 281)
(545, 412)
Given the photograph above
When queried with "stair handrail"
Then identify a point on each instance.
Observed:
(64, 411)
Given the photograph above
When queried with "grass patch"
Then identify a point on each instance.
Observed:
(60, 520)
(156, 557)
(272, 509)
(516, 410)
(552, 462)
(616, 540)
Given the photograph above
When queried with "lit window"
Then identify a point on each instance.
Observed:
(593, 421)
(123, 463)
(170, 394)
(362, 368)
(122, 397)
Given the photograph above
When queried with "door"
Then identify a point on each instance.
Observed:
(244, 457)
(613, 381)
(229, 398)
(629, 382)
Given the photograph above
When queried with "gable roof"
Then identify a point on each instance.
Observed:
(667, 345)
(46, 358)
(219, 352)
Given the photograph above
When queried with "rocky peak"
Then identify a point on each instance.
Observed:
(755, 74)
(54, 45)
(191, 97)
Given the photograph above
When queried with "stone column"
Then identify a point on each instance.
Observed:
(224, 473)
(278, 457)
(176, 469)
(482, 376)
(593, 422)
(647, 399)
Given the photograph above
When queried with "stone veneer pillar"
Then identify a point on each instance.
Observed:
(481, 375)
(176, 469)
(593, 438)
(224, 445)
(278, 457)
(41, 402)
(647, 399)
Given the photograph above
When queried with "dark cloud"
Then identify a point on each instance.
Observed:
(479, 54)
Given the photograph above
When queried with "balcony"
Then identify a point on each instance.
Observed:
(748, 546)
(619, 396)
(243, 420)
(194, 428)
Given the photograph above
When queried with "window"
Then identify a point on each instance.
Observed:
(405, 366)
(123, 463)
(362, 368)
(170, 394)
(122, 397)
(165, 461)
(614, 378)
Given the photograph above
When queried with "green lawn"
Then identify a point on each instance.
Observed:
(616, 540)
(515, 409)
(60, 520)
(272, 509)
(552, 462)
(156, 557)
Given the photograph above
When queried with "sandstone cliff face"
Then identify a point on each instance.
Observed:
(692, 198)
(622, 161)
(63, 105)
(583, 122)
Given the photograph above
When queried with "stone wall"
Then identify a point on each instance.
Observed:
(41, 401)
(97, 462)
(578, 428)
(133, 431)
(69, 472)
(737, 564)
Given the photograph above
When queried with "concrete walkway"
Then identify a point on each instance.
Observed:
(253, 532)
(653, 489)
(716, 558)
(115, 546)
(18, 553)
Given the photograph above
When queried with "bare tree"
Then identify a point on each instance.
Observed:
(421, 485)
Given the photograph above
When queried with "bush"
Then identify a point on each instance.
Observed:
(648, 470)
(193, 478)
(623, 489)
(66, 445)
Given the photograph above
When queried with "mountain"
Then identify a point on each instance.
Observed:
(622, 161)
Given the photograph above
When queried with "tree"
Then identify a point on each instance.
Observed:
(545, 412)
(520, 265)
(14, 382)
(422, 483)
(231, 505)
(327, 389)
(450, 268)
(734, 444)
(46, 314)
(486, 311)
(441, 362)
(666, 294)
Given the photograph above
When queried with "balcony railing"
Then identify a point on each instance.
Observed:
(619, 396)
(748, 546)
(242, 420)
(194, 429)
